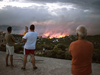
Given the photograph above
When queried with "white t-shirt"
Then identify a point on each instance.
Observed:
(31, 38)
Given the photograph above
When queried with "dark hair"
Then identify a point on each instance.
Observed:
(32, 27)
(9, 29)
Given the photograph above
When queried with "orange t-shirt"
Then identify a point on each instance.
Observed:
(81, 51)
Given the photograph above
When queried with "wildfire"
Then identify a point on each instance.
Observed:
(55, 35)
(20, 34)
(46, 34)
(52, 35)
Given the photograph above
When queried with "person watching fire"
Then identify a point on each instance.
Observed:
(29, 47)
(9, 46)
(81, 51)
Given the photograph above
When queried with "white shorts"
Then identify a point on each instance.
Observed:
(9, 50)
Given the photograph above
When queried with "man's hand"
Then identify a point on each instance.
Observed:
(13, 39)
(23, 40)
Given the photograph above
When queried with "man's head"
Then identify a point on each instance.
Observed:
(9, 29)
(32, 27)
(81, 31)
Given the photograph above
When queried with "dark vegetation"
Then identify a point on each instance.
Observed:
(58, 48)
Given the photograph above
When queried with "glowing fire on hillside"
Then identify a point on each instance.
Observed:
(55, 35)
(52, 35)
(21, 33)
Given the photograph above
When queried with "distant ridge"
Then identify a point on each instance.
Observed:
(15, 28)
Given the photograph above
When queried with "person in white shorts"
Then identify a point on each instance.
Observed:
(9, 46)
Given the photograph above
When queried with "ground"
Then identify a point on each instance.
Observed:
(46, 66)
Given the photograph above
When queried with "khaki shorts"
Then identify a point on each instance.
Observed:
(9, 50)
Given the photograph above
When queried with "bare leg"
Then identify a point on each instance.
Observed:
(11, 60)
(33, 60)
(24, 61)
(7, 55)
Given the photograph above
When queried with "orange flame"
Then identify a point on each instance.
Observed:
(55, 35)
(46, 34)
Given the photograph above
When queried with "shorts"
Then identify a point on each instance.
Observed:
(28, 51)
(90, 74)
(9, 50)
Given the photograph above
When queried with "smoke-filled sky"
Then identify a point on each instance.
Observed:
(52, 17)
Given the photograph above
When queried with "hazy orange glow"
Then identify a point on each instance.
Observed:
(46, 34)
(20, 34)
(55, 35)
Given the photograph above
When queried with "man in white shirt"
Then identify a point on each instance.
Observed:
(30, 41)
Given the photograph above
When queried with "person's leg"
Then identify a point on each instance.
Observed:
(24, 61)
(7, 55)
(30, 59)
(11, 52)
(26, 52)
(11, 60)
(33, 60)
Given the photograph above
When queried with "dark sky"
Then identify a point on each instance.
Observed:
(50, 16)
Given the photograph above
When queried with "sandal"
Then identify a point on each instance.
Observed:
(13, 66)
(23, 68)
(34, 68)
(7, 65)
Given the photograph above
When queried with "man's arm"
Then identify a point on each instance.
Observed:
(69, 52)
(69, 49)
(13, 39)
(23, 40)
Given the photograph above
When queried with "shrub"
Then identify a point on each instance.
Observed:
(68, 56)
(2, 45)
(96, 56)
(97, 50)
(3, 48)
(46, 46)
(40, 46)
(48, 54)
(60, 54)
(56, 48)
(18, 48)
(61, 46)
(54, 52)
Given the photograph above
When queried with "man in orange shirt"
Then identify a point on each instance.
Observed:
(81, 51)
